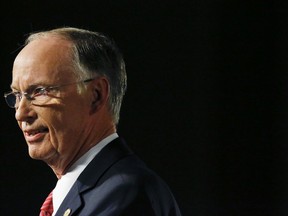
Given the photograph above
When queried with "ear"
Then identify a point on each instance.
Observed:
(100, 93)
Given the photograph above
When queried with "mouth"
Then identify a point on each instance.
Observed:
(35, 135)
(34, 132)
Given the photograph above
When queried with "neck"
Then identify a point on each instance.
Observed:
(66, 161)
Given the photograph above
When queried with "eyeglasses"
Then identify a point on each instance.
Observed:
(38, 96)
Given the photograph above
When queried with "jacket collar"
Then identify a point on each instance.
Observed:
(90, 176)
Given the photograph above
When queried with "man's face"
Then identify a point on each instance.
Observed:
(54, 132)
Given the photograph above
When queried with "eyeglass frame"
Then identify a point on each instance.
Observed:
(44, 91)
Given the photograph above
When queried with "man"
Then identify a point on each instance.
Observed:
(67, 89)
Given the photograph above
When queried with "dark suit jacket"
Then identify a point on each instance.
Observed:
(117, 182)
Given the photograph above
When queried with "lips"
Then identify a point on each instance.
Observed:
(32, 133)
(35, 135)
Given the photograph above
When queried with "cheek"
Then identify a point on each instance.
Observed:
(66, 138)
(64, 127)
(54, 121)
(66, 122)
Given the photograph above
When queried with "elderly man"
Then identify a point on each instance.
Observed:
(67, 89)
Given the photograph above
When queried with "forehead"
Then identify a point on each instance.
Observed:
(45, 61)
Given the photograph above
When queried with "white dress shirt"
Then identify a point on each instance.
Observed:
(65, 183)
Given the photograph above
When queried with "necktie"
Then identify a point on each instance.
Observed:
(47, 207)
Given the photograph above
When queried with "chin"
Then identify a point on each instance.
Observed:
(34, 156)
(34, 153)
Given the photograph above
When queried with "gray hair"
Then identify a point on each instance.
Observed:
(94, 54)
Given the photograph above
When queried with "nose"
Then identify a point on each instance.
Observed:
(24, 112)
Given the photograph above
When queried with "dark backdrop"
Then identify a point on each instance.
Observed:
(206, 105)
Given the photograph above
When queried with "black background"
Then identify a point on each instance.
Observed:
(206, 105)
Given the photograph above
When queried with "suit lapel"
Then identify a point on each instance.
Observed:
(68, 207)
(88, 179)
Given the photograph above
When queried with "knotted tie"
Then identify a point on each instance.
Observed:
(47, 207)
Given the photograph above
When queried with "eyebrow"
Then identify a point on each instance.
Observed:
(30, 87)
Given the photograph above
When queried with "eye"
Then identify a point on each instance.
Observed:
(39, 91)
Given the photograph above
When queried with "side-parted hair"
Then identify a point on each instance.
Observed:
(94, 54)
